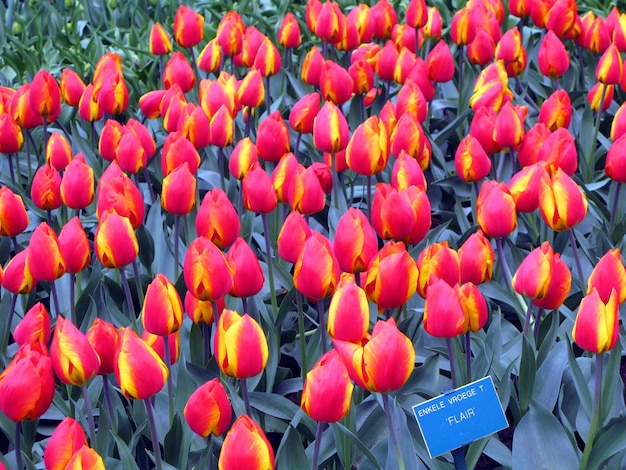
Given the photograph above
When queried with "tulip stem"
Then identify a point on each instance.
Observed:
(222, 167)
(297, 146)
(455, 381)
(503, 264)
(302, 338)
(73, 298)
(595, 414)
(138, 285)
(129, 300)
(206, 337)
(468, 356)
(153, 434)
(579, 266)
(170, 385)
(176, 263)
(246, 398)
(146, 175)
(268, 94)
(270, 267)
(392, 432)
(322, 325)
(316, 447)
(89, 412)
(459, 459)
(18, 445)
(11, 170)
(538, 314)
(55, 298)
(7, 331)
(106, 388)
(16, 246)
(614, 207)
(369, 198)
(529, 312)
(591, 161)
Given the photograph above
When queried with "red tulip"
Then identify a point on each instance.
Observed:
(160, 43)
(316, 271)
(556, 110)
(201, 311)
(77, 184)
(73, 359)
(243, 156)
(440, 63)
(208, 409)
(348, 313)
(368, 150)
(206, 271)
(609, 69)
(178, 150)
(476, 259)
(68, 437)
(272, 138)
(115, 242)
(246, 446)
(470, 160)
(178, 195)
(217, 219)
(86, 458)
(443, 313)
(495, 209)
(11, 139)
(482, 49)
(188, 27)
(248, 276)
(509, 128)
(103, 337)
(355, 242)
(162, 312)
(437, 262)
(45, 260)
(303, 112)
(284, 174)
(562, 202)
(178, 70)
(553, 58)
(34, 328)
(306, 194)
(330, 129)
(512, 52)
(335, 83)
(407, 172)
(608, 275)
(259, 194)
(289, 31)
(210, 59)
(74, 246)
(17, 277)
(46, 188)
(596, 328)
(45, 96)
(293, 234)
(71, 87)
(58, 151)
(13, 216)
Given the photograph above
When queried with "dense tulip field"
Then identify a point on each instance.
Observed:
(254, 235)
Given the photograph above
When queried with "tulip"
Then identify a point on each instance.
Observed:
(77, 184)
(553, 58)
(330, 129)
(443, 313)
(272, 138)
(384, 17)
(533, 141)
(71, 87)
(201, 311)
(178, 70)
(130, 154)
(312, 67)
(316, 271)
(139, 370)
(103, 337)
(12, 137)
(474, 307)
(407, 172)
(23, 114)
(327, 391)
(362, 75)
(495, 209)
(240, 345)
(88, 107)
(293, 234)
(335, 83)
(258, 192)
(561, 201)
(368, 150)
(45, 260)
(160, 43)
(544, 277)
(178, 150)
(172, 105)
(491, 88)
(241, 159)
(13, 216)
(609, 69)
(248, 276)
(162, 312)
(615, 166)
(306, 194)
(210, 59)
(58, 151)
(482, 129)
(596, 328)
(17, 276)
(289, 31)
(34, 328)
(86, 458)
(303, 112)
(68, 437)
(192, 124)
(45, 96)
(462, 28)
(252, 40)
(110, 139)
(230, 33)
(476, 259)
(556, 110)
(208, 409)
(284, 174)
(178, 196)
(27, 384)
(509, 128)
(512, 52)
(74, 246)
(221, 128)
(440, 63)
(437, 262)
(470, 160)
(251, 91)
(559, 150)
(188, 27)
(600, 97)
(115, 242)
(348, 313)
(117, 193)
(608, 275)
(411, 100)
(207, 274)
(157, 343)
(46, 188)
(381, 364)
(355, 242)
(267, 59)
(111, 92)
(217, 219)
(246, 446)
(73, 359)
(383, 284)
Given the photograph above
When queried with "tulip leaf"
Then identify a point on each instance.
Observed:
(354, 438)
(291, 452)
(548, 379)
(612, 398)
(580, 382)
(127, 460)
(536, 436)
(609, 441)
(527, 373)
(279, 407)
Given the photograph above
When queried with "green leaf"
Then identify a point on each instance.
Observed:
(279, 407)
(127, 460)
(291, 452)
(366, 451)
(548, 379)
(609, 441)
(537, 437)
(527, 374)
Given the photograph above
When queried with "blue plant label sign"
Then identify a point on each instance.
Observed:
(460, 416)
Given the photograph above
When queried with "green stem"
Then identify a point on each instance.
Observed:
(129, 300)
(73, 298)
(18, 445)
(89, 411)
(270, 267)
(55, 298)
(176, 263)
(7, 331)
(301, 332)
(591, 162)
(529, 312)
(455, 381)
(468, 356)
(138, 285)
(392, 432)
(614, 207)
(579, 266)
(316, 447)
(595, 414)
(322, 325)
(106, 388)
(246, 398)
(153, 434)
(170, 385)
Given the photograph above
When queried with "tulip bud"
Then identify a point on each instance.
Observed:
(206, 271)
(259, 194)
(335, 83)
(348, 313)
(312, 67)
(608, 275)
(272, 138)
(368, 150)
(58, 151)
(71, 87)
(243, 156)
(46, 188)
(248, 276)
(178, 196)
(210, 59)
(178, 70)
(495, 209)
(240, 345)
(117, 193)
(609, 69)
(383, 284)
(368, 362)
(251, 91)
(561, 201)
(316, 271)
(596, 328)
(440, 63)
(86, 458)
(407, 172)
(73, 359)
(157, 344)
(74, 246)
(34, 328)
(68, 437)
(476, 259)
(355, 242)
(330, 129)
(77, 184)
(443, 313)
(470, 160)
(11, 137)
(45, 260)
(178, 150)
(188, 27)
(103, 337)
(437, 262)
(17, 277)
(289, 31)
(293, 234)
(553, 58)
(160, 43)
(596, 95)
(474, 307)
(509, 128)
(45, 96)
(208, 409)
(201, 311)
(13, 216)
(246, 446)
(217, 219)
(556, 110)
(139, 370)
(303, 113)
(512, 52)
(162, 312)
(115, 242)
(327, 391)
